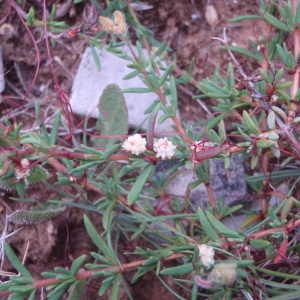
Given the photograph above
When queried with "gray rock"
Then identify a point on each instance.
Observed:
(232, 189)
(89, 84)
(2, 81)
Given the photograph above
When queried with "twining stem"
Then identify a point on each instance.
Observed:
(212, 199)
(296, 36)
(22, 18)
(288, 226)
(162, 97)
(90, 273)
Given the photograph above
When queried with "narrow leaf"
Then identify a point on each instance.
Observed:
(76, 290)
(139, 184)
(115, 289)
(249, 123)
(259, 244)
(106, 283)
(207, 228)
(32, 217)
(98, 241)
(77, 263)
(15, 261)
(55, 128)
(220, 227)
(275, 22)
(137, 90)
(179, 270)
(165, 75)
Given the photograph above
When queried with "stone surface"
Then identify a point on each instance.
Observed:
(2, 82)
(232, 189)
(89, 84)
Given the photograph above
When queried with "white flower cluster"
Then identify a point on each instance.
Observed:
(22, 171)
(164, 148)
(136, 144)
(206, 255)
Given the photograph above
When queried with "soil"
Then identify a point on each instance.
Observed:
(187, 26)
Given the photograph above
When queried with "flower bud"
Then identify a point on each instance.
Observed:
(223, 274)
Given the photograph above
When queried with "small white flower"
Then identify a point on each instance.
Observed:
(22, 171)
(164, 148)
(135, 144)
(206, 255)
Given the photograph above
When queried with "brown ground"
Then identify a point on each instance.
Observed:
(169, 20)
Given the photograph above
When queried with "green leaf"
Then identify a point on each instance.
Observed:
(242, 51)
(64, 277)
(283, 85)
(259, 244)
(55, 127)
(143, 270)
(279, 111)
(109, 151)
(213, 137)
(173, 94)
(275, 22)
(265, 144)
(254, 162)
(265, 76)
(139, 184)
(98, 241)
(20, 187)
(249, 123)
(140, 51)
(278, 76)
(244, 17)
(161, 49)
(62, 270)
(271, 120)
(37, 174)
(22, 290)
(115, 289)
(106, 283)
(131, 75)
(76, 290)
(137, 90)
(165, 75)
(113, 116)
(207, 228)
(221, 228)
(222, 131)
(32, 295)
(40, 121)
(49, 274)
(286, 208)
(138, 231)
(76, 265)
(53, 13)
(107, 216)
(95, 57)
(246, 137)
(32, 217)
(60, 289)
(15, 261)
(151, 123)
(21, 280)
(213, 122)
(179, 270)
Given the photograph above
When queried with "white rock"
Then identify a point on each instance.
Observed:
(2, 82)
(89, 84)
